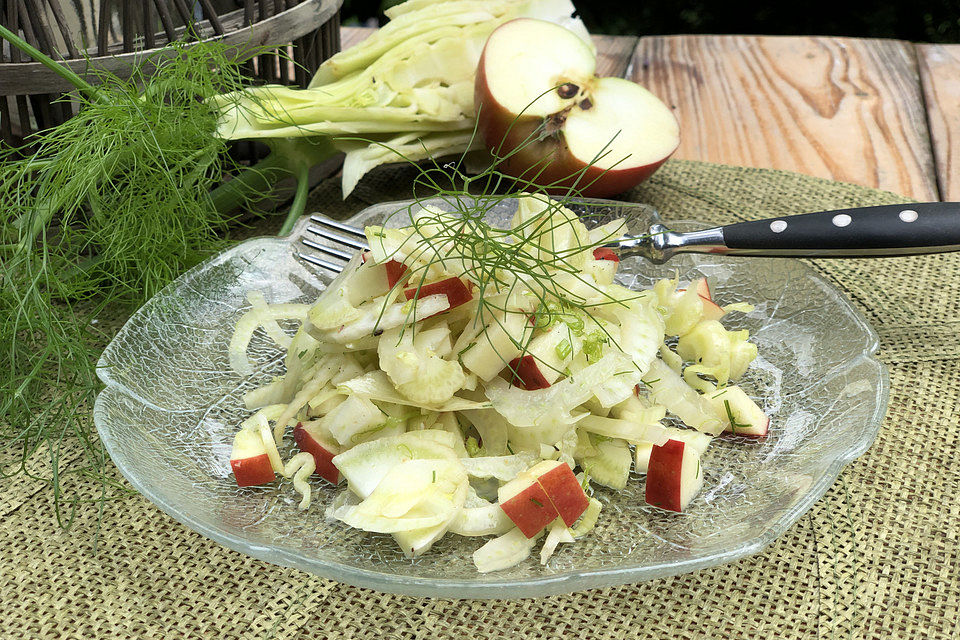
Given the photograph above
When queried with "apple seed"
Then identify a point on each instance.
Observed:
(568, 90)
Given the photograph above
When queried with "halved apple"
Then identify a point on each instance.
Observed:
(249, 460)
(544, 112)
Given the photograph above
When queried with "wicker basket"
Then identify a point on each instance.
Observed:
(113, 34)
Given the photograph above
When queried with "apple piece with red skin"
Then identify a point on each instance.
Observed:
(562, 488)
(703, 289)
(394, 269)
(455, 289)
(750, 419)
(527, 374)
(527, 505)
(674, 476)
(544, 112)
(310, 439)
(711, 310)
(543, 362)
(605, 253)
(249, 460)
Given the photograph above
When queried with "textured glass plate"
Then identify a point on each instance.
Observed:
(172, 405)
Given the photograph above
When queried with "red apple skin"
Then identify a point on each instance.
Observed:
(456, 291)
(252, 471)
(703, 289)
(565, 493)
(395, 271)
(605, 253)
(531, 510)
(548, 161)
(528, 375)
(663, 476)
(751, 431)
(322, 453)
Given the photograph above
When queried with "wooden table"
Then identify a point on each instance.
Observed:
(880, 113)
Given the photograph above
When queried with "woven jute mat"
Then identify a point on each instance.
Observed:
(877, 557)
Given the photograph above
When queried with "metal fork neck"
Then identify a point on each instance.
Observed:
(660, 244)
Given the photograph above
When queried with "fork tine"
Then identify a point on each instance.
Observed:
(350, 242)
(330, 251)
(320, 262)
(339, 226)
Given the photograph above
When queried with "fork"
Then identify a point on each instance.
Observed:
(885, 230)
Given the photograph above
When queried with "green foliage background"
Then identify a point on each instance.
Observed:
(915, 20)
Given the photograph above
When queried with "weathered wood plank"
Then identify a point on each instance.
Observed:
(350, 36)
(613, 52)
(841, 108)
(940, 77)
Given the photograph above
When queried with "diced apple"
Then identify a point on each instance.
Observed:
(674, 476)
(309, 438)
(748, 417)
(562, 489)
(527, 374)
(699, 441)
(546, 357)
(605, 253)
(395, 271)
(526, 503)
(249, 460)
(455, 289)
(603, 272)
(703, 289)
(711, 310)
(642, 452)
(496, 345)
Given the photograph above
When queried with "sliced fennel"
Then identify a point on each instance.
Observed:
(516, 361)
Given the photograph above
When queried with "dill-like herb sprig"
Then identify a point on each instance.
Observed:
(502, 260)
(98, 214)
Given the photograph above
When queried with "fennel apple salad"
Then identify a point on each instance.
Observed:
(475, 381)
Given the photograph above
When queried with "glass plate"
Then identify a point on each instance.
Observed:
(172, 405)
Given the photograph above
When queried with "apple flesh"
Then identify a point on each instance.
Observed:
(544, 112)
(310, 439)
(711, 310)
(697, 440)
(750, 419)
(394, 270)
(674, 476)
(249, 460)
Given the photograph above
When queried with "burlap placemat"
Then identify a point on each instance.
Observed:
(877, 557)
